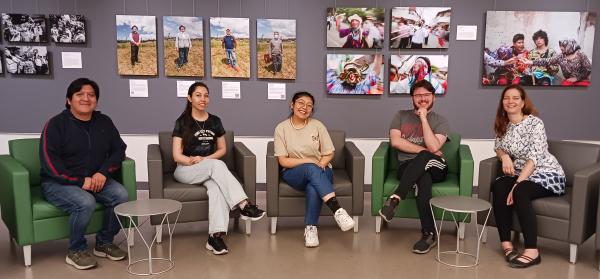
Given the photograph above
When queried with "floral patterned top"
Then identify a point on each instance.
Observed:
(579, 67)
(527, 141)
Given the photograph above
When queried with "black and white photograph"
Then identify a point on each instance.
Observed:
(24, 28)
(27, 60)
(67, 29)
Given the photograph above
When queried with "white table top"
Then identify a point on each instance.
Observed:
(148, 207)
(460, 204)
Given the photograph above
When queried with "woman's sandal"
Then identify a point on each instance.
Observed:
(510, 254)
(515, 263)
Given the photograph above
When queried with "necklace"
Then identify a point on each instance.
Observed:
(198, 124)
(292, 122)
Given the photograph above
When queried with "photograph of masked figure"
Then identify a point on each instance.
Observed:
(354, 74)
(405, 70)
(538, 48)
(355, 27)
(276, 48)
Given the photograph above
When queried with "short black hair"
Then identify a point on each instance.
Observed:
(540, 34)
(422, 84)
(76, 86)
(517, 37)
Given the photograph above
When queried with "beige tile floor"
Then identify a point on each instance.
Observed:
(340, 255)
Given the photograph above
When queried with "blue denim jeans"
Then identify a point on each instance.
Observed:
(315, 182)
(183, 56)
(230, 57)
(81, 204)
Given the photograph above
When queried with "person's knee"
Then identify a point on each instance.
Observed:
(520, 194)
(121, 195)
(85, 203)
(217, 164)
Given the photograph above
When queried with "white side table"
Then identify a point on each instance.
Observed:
(147, 208)
(459, 204)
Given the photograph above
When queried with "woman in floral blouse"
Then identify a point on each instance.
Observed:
(574, 64)
(530, 172)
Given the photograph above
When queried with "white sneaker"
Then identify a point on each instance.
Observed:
(343, 219)
(311, 236)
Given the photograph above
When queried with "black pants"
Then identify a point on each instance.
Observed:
(423, 170)
(276, 62)
(134, 54)
(523, 194)
(414, 45)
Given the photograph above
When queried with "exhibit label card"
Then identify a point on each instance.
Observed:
(231, 89)
(71, 60)
(183, 86)
(138, 88)
(276, 91)
(466, 32)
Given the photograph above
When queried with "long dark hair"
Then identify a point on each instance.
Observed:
(187, 121)
(501, 122)
(297, 96)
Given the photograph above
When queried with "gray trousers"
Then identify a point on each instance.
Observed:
(223, 189)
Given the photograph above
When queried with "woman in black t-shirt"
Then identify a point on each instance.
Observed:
(198, 144)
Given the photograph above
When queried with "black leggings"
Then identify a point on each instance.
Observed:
(523, 194)
(423, 170)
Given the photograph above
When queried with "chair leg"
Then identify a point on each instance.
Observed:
(484, 234)
(573, 253)
(248, 227)
(273, 225)
(158, 233)
(131, 236)
(377, 224)
(461, 230)
(27, 255)
(355, 223)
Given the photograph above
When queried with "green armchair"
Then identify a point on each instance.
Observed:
(384, 180)
(28, 216)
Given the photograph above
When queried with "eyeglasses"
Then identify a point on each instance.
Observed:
(426, 95)
(303, 104)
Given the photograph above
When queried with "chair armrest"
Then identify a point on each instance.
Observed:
(379, 169)
(128, 178)
(465, 173)
(245, 168)
(355, 167)
(15, 200)
(155, 172)
(272, 181)
(584, 203)
(488, 172)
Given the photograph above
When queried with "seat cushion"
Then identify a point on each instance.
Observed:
(448, 187)
(184, 192)
(555, 207)
(342, 185)
(44, 210)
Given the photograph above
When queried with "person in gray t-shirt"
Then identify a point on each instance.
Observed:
(418, 135)
(276, 52)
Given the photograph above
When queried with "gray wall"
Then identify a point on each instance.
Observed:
(25, 103)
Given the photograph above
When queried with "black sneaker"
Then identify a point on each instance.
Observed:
(216, 244)
(252, 212)
(387, 211)
(425, 244)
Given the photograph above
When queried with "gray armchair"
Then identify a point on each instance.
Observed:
(348, 181)
(569, 218)
(238, 158)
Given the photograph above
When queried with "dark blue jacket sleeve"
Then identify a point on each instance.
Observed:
(52, 165)
(117, 151)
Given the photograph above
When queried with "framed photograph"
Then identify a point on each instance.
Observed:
(354, 74)
(183, 46)
(27, 60)
(136, 45)
(67, 29)
(355, 27)
(538, 48)
(405, 70)
(420, 27)
(24, 28)
(230, 47)
(276, 48)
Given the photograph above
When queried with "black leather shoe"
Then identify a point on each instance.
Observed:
(515, 263)
(510, 254)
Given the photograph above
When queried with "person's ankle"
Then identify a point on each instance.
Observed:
(531, 252)
(243, 204)
(507, 245)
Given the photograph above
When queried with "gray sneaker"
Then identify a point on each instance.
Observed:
(81, 259)
(110, 251)
(425, 244)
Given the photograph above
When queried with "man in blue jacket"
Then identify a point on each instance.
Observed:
(230, 44)
(80, 149)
